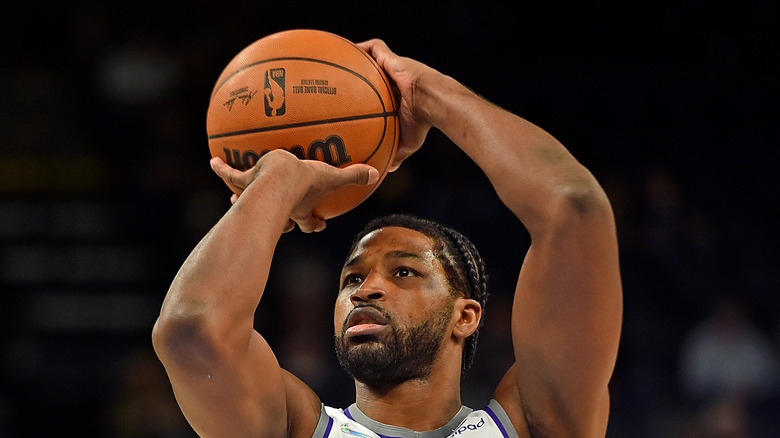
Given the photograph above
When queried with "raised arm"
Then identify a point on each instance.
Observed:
(567, 308)
(225, 376)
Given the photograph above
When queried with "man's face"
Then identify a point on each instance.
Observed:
(394, 308)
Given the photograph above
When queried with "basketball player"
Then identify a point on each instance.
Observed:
(411, 293)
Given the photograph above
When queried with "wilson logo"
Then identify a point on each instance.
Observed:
(332, 150)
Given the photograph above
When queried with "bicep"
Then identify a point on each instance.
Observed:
(231, 393)
(566, 321)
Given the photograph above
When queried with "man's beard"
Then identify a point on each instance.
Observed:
(404, 353)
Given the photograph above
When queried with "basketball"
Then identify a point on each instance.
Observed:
(312, 93)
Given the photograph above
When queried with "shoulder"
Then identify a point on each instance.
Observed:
(507, 395)
(491, 421)
(546, 419)
(303, 406)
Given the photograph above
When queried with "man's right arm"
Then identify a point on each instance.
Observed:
(224, 375)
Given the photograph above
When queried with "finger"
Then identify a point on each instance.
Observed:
(399, 158)
(311, 224)
(369, 44)
(228, 174)
(217, 165)
(318, 224)
(334, 178)
(377, 49)
(289, 227)
(358, 174)
(233, 198)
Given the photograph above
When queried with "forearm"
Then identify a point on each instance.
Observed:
(218, 288)
(225, 375)
(530, 170)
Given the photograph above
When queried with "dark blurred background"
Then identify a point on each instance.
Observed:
(105, 187)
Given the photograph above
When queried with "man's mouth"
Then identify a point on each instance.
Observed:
(364, 321)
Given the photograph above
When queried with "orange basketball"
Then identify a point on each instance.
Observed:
(312, 93)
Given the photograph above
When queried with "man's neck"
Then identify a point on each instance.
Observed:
(414, 404)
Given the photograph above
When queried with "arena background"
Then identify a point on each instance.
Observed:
(105, 187)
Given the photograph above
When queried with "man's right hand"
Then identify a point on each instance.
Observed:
(308, 180)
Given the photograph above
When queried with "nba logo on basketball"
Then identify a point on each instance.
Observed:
(274, 92)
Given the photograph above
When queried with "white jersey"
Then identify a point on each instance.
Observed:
(492, 421)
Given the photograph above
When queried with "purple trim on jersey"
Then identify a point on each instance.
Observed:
(497, 421)
(327, 429)
(346, 412)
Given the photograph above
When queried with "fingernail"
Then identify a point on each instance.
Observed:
(373, 176)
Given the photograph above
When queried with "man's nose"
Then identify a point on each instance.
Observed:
(372, 289)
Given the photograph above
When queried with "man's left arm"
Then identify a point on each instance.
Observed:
(567, 309)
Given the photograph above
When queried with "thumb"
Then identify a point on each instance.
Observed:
(359, 174)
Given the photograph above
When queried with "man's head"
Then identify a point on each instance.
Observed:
(418, 255)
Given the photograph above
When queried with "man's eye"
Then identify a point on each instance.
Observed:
(352, 279)
(405, 272)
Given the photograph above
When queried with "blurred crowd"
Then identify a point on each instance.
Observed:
(105, 188)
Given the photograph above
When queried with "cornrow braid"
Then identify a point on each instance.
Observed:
(462, 263)
(474, 274)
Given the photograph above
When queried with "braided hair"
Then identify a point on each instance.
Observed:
(463, 266)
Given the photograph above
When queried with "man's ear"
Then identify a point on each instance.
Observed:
(468, 313)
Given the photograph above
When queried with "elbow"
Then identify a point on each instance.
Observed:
(181, 339)
(586, 198)
(575, 207)
(582, 197)
(170, 332)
